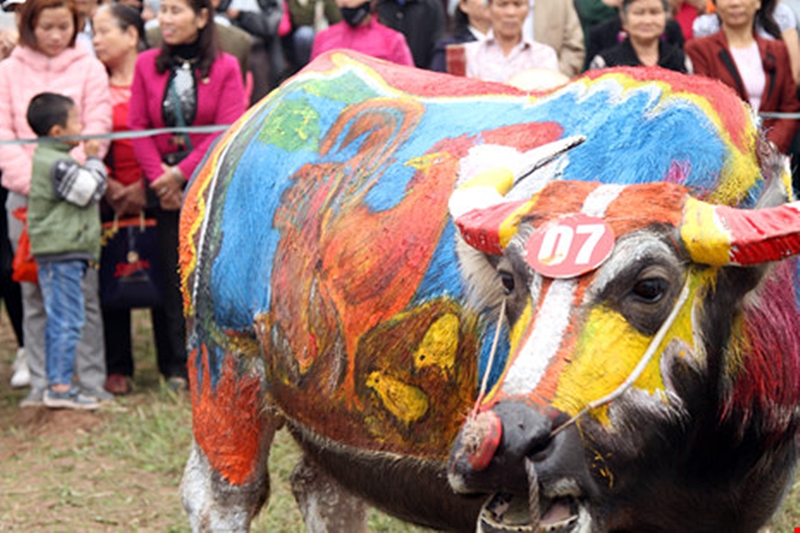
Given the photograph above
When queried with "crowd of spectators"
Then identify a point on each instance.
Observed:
(145, 64)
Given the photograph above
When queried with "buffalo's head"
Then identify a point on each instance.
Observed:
(649, 381)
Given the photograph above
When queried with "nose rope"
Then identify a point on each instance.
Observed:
(487, 371)
(643, 362)
(534, 509)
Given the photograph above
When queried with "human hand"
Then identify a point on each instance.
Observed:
(132, 199)
(8, 40)
(91, 148)
(112, 194)
(232, 13)
(168, 189)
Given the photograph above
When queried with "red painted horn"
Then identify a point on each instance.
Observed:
(720, 235)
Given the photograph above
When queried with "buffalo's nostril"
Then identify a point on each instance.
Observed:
(527, 432)
(481, 437)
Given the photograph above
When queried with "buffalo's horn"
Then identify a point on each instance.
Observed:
(485, 219)
(720, 235)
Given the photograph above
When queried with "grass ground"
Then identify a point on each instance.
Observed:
(119, 469)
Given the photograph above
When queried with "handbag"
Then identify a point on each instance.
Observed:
(23, 267)
(130, 265)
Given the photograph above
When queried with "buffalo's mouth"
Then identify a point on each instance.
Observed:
(505, 512)
(553, 509)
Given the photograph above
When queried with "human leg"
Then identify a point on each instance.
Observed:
(12, 297)
(33, 315)
(119, 356)
(168, 322)
(63, 300)
(33, 325)
(90, 362)
(9, 289)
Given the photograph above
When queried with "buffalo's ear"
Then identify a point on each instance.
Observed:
(746, 243)
(479, 272)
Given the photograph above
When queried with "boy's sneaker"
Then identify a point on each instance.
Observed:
(71, 399)
(21, 376)
(35, 398)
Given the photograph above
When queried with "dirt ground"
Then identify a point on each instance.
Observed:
(70, 471)
(44, 448)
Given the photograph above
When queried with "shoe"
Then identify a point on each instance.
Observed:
(71, 399)
(117, 384)
(35, 398)
(21, 376)
(101, 395)
(177, 384)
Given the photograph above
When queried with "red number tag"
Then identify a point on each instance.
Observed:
(569, 246)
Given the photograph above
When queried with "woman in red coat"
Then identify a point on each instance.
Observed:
(758, 69)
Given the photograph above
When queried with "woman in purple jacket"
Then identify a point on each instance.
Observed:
(188, 81)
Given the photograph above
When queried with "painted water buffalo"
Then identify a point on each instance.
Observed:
(478, 308)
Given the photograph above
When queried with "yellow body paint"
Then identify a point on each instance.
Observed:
(713, 248)
(405, 402)
(609, 349)
(606, 353)
(439, 345)
(510, 225)
(500, 179)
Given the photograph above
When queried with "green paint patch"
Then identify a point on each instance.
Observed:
(291, 125)
(347, 87)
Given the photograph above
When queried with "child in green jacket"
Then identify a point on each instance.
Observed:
(64, 230)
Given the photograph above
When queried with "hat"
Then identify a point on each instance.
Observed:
(8, 5)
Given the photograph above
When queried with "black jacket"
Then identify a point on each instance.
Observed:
(607, 34)
(623, 55)
(420, 21)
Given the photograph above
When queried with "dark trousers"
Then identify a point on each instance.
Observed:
(117, 334)
(10, 291)
(12, 296)
(169, 325)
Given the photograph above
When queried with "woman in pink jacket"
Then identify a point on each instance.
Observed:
(48, 59)
(188, 81)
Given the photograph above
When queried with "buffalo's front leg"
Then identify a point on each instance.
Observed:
(326, 506)
(225, 482)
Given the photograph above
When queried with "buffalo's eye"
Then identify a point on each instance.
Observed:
(650, 290)
(507, 279)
